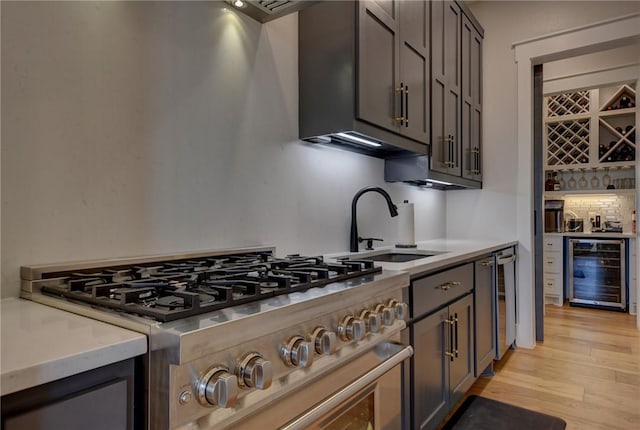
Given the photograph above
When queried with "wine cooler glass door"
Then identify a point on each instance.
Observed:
(597, 273)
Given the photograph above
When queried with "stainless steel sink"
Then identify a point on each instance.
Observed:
(397, 258)
(393, 256)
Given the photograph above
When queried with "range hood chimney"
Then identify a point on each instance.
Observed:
(267, 10)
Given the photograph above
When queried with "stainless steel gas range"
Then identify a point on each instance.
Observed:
(240, 338)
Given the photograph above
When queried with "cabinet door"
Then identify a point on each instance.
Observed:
(471, 132)
(484, 307)
(461, 367)
(445, 87)
(430, 338)
(378, 63)
(414, 68)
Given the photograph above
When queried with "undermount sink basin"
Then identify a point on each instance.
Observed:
(394, 257)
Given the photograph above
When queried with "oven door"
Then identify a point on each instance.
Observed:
(365, 393)
(372, 402)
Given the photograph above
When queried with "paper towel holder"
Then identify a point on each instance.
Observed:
(408, 243)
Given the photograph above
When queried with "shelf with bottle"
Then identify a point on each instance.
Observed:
(597, 180)
(617, 127)
(618, 98)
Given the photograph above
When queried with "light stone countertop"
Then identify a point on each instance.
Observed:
(449, 251)
(41, 344)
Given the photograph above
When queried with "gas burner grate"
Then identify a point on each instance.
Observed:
(171, 290)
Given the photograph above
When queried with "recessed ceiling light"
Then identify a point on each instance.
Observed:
(238, 3)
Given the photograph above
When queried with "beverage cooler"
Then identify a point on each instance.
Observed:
(597, 272)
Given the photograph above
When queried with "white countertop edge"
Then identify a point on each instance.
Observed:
(452, 251)
(78, 344)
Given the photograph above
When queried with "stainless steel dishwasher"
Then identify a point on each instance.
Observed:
(506, 300)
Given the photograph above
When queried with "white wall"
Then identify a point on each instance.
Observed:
(139, 128)
(506, 22)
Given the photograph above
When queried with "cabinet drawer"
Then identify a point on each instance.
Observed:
(552, 285)
(552, 243)
(552, 262)
(433, 291)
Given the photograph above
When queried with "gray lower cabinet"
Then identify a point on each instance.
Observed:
(442, 335)
(108, 398)
(485, 309)
(444, 366)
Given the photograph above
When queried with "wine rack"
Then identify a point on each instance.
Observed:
(590, 129)
(617, 141)
(568, 142)
(568, 103)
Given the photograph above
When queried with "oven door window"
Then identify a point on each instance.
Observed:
(358, 414)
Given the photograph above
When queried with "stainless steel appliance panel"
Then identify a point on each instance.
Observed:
(553, 216)
(506, 301)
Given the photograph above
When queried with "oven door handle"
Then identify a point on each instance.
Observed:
(349, 391)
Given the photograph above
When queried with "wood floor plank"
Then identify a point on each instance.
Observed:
(587, 371)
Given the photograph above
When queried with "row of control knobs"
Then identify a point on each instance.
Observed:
(219, 386)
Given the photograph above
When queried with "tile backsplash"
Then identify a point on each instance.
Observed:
(610, 207)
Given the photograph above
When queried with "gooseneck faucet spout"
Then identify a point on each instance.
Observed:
(393, 211)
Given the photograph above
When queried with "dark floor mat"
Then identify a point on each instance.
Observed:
(479, 413)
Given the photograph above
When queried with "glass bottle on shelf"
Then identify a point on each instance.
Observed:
(548, 184)
(556, 183)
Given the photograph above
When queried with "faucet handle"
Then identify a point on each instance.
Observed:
(369, 242)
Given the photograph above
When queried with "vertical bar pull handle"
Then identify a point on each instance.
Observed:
(456, 350)
(401, 119)
(406, 109)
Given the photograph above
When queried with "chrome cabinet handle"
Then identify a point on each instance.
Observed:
(487, 263)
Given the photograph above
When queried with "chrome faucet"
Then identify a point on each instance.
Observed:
(393, 211)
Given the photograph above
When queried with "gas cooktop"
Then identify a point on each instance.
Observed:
(167, 289)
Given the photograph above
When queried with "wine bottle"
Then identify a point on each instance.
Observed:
(548, 184)
(556, 183)
(624, 102)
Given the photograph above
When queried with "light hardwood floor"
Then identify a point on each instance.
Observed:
(587, 371)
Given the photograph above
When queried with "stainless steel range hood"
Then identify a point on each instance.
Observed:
(267, 10)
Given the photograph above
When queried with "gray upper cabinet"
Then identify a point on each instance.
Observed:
(456, 101)
(445, 81)
(471, 101)
(364, 70)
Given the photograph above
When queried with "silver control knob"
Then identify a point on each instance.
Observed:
(324, 341)
(297, 352)
(401, 309)
(254, 372)
(351, 328)
(217, 387)
(388, 314)
(372, 320)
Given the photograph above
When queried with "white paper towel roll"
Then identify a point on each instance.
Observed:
(406, 233)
